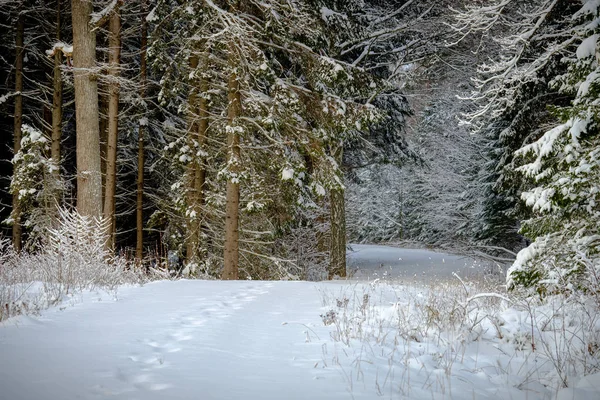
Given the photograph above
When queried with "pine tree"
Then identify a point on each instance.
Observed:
(564, 168)
(525, 41)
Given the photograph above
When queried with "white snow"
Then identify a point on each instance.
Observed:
(67, 50)
(589, 7)
(32, 135)
(326, 13)
(587, 388)
(151, 17)
(60, 46)
(541, 148)
(249, 340)
(587, 47)
(97, 16)
(5, 97)
(174, 340)
(539, 198)
(320, 190)
(287, 174)
(372, 261)
(584, 88)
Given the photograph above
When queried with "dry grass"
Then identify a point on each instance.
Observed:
(400, 338)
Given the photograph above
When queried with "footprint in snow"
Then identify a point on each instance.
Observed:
(143, 381)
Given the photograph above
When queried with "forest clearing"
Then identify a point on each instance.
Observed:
(359, 339)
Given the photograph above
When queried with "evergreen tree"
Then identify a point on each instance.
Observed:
(525, 41)
(564, 168)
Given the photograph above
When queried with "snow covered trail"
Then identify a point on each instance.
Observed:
(194, 339)
(375, 261)
(174, 340)
(245, 340)
(336, 340)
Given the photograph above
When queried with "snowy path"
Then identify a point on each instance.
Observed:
(173, 340)
(215, 340)
(373, 261)
(193, 339)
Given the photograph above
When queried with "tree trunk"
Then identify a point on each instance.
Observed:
(199, 182)
(337, 254)
(114, 60)
(191, 169)
(57, 101)
(139, 248)
(234, 110)
(197, 169)
(18, 124)
(103, 123)
(89, 177)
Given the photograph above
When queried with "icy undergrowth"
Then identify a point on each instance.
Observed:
(72, 258)
(457, 340)
(32, 282)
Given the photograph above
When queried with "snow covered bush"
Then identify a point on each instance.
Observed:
(75, 256)
(72, 258)
(564, 165)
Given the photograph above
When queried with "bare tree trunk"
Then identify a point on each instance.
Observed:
(139, 247)
(337, 254)
(199, 182)
(103, 123)
(234, 110)
(114, 60)
(197, 169)
(57, 101)
(89, 177)
(191, 169)
(18, 124)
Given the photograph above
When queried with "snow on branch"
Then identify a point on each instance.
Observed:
(100, 18)
(499, 80)
(487, 295)
(7, 96)
(62, 47)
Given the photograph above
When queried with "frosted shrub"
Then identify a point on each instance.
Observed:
(73, 257)
(426, 335)
(13, 282)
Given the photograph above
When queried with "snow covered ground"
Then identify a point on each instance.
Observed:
(385, 262)
(288, 340)
(172, 340)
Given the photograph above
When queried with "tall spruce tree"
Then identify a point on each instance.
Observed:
(564, 168)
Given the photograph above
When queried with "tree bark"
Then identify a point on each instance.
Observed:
(18, 124)
(57, 101)
(234, 110)
(103, 123)
(114, 60)
(200, 181)
(191, 169)
(89, 177)
(197, 169)
(337, 254)
(139, 247)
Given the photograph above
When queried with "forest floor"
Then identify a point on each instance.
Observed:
(361, 339)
